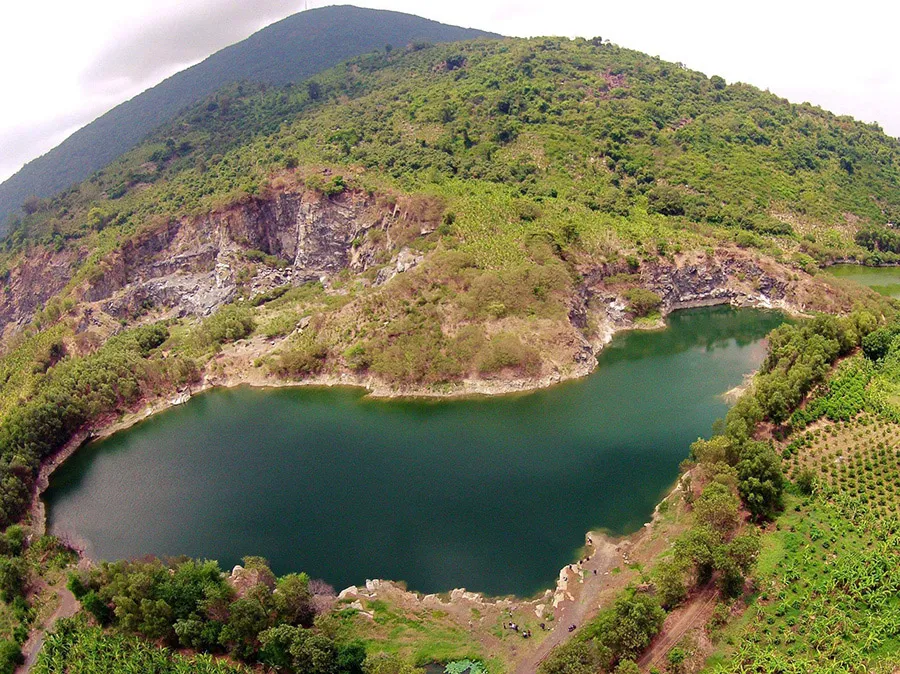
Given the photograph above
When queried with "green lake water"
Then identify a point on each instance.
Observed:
(492, 494)
(885, 280)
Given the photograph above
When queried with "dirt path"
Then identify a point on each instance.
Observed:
(696, 612)
(585, 598)
(68, 606)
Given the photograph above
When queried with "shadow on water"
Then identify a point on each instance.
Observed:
(493, 494)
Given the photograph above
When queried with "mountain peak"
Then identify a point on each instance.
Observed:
(289, 50)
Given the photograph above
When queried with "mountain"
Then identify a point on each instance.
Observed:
(529, 178)
(590, 133)
(482, 217)
(290, 50)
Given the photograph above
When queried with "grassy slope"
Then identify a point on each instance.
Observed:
(594, 141)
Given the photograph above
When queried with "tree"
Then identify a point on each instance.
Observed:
(309, 652)
(717, 508)
(717, 449)
(577, 657)
(201, 635)
(93, 604)
(744, 550)
(32, 205)
(10, 656)
(668, 578)
(293, 600)
(247, 620)
(760, 480)
(877, 343)
(157, 619)
(12, 577)
(697, 548)
(627, 628)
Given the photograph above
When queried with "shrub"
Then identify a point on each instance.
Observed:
(576, 657)
(506, 351)
(303, 359)
(10, 656)
(228, 324)
(642, 302)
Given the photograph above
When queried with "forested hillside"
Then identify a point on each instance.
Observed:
(596, 134)
(288, 51)
(482, 217)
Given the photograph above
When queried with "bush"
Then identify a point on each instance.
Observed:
(576, 657)
(806, 481)
(10, 657)
(669, 580)
(627, 628)
(642, 302)
(228, 324)
(302, 360)
(98, 608)
(506, 351)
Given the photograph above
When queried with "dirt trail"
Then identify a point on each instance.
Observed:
(696, 612)
(68, 606)
(585, 598)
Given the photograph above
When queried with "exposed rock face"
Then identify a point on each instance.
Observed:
(406, 260)
(30, 284)
(193, 265)
(728, 277)
(714, 281)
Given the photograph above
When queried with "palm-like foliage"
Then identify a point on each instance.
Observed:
(75, 648)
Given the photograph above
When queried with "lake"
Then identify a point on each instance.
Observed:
(491, 494)
(884, 280)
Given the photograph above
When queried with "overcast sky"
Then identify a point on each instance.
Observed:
(66, 62)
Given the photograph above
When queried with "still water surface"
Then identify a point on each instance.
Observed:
(492, 494)
(885, 280)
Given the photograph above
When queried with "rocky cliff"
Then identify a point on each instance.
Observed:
(194, 265)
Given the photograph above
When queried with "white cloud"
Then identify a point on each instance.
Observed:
(66, 62)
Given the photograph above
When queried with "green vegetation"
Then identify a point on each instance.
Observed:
(735, 470)
(516, 168)
(588, 145)
(228, 324)
(73, 391)
(286, 52)
(642, 301)
(832, 554)
(616, 635)
(77, 648)
(189, 604)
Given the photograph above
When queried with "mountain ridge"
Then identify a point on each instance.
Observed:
(275, 54)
